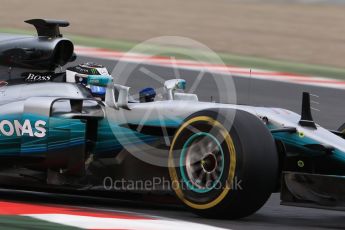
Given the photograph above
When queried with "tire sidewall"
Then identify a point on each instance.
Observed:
(256, 169)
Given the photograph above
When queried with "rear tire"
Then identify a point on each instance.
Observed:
(241, 168)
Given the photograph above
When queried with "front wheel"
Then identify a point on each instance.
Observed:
(220, 173)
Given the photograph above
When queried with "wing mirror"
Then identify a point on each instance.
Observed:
(172, 85)
(117, 96)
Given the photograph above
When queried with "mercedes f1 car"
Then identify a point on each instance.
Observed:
(221, 160)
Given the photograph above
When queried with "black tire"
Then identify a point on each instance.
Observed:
(250, 159)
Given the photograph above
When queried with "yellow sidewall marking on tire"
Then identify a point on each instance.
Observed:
(231, 174)
(300, 163)
(301, 134)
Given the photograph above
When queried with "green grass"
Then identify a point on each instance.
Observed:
(180, 52)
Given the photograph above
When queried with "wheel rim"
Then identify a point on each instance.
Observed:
(203, 158)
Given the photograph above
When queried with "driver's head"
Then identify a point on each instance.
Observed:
(87, 69)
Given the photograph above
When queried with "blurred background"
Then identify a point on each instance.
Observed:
(304, 31)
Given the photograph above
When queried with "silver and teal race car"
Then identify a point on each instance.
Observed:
(88, 133)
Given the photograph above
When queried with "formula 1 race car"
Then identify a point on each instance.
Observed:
(221, 160)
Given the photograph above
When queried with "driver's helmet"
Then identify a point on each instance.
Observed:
(88, 68)
(147, 95)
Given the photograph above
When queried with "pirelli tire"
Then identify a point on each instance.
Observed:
(243, 162)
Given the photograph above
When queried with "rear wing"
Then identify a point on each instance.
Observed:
(47, 27)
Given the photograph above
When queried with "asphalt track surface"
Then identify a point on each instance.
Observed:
(331, 106)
